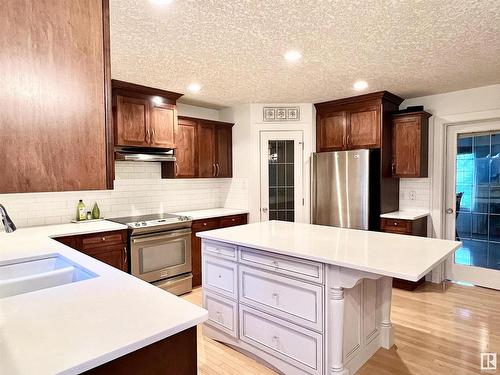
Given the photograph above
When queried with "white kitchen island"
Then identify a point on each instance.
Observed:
(308, 299)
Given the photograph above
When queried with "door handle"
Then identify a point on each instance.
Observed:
(217, 170)
(449, 211)
(176, 166)
(148, 135)
(152, 136)
(214, 170)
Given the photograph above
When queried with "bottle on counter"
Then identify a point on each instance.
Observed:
(81, 213)
(89, 215)
(96, 212)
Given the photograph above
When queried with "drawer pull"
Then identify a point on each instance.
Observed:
(233, 220)
(276, 297)
(276, 340)
(395, 224)
(219, 317)
(104, 238)
(204, 224)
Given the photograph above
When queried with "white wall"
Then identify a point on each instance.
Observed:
(475, 102)
(248, 119)
(198, 112)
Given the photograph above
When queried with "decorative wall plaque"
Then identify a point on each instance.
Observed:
(281, 113)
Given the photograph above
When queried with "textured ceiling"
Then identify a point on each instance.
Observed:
(234, 49)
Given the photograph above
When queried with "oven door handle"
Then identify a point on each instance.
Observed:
(156, 237)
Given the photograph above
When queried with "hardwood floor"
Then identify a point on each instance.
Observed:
(436, 332)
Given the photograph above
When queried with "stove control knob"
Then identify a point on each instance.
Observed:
(137, 224)
(144, 223)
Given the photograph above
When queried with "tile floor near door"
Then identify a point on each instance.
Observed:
(436, 332)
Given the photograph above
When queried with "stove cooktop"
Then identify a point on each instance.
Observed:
(154, 220)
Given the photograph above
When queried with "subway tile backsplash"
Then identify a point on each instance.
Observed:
(139, 190)
(414, 193)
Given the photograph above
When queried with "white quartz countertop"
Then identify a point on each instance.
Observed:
(74, 327)
(406, 214)
(211, 212)
(394, 255)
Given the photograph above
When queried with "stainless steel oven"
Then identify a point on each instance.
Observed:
(160, 255)
(160, 250)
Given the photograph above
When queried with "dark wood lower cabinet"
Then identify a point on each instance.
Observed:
(174, 355)
(209, 224)
(108, 247)
(416, 227)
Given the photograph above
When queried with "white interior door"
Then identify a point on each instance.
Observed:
(281, 176)
(473, 202)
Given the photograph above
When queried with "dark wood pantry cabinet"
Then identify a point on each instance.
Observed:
(410, 144)
(55, 96)
(144, 116)
(204, 149)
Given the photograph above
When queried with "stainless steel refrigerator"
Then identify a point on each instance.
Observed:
(345, 188)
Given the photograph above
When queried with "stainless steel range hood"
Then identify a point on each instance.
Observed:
(143, 154)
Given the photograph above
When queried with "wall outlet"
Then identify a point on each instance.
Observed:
(412, 195)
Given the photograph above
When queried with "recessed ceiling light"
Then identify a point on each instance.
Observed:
(293, 55)
(194, 87)
(160, 2)
(360, 85)
(158, 100)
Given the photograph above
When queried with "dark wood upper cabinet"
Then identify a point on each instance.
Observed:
(223, 150)
(356, 122)
(410, 143)
(132, 121)
(331, 131)
(144, 116)
(163, 125)
(206, 150)
(364, 128)
(186, 152)
(55, 81)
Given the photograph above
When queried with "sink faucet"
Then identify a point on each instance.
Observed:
(7, 222)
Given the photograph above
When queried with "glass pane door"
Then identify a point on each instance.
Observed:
(281, 180)
(477, 190)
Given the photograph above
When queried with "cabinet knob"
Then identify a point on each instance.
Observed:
(395, 224)
(104, 238)
(204, 224)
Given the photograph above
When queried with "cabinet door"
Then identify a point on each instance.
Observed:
(52, 107)
(206, 150)
(406, 150)
(223, 151)
(163, 125)
(196, 259)
(132, 122)
(113, 258)
(332, 132)
(364, 128)
(186, 152)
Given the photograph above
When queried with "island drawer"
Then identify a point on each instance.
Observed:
(222, 313)
(293, 300)
(220, 249)
(291, 266)
(220, 276)
(295, 345)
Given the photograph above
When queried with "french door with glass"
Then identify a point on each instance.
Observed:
(473, 203)
(281, 171)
